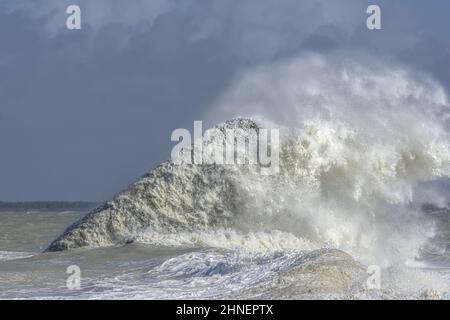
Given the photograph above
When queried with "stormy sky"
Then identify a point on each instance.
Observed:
(83, 113)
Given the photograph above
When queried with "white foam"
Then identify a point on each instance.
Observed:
(12, 255)
(263, 242)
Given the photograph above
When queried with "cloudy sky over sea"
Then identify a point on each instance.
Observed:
(85, 112)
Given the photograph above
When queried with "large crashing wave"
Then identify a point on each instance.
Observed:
(357, 137)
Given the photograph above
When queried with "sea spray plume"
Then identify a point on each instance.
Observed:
(356, 139)
(373, 94)
(360, 134)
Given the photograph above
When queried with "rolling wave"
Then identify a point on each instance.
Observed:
(356, 142)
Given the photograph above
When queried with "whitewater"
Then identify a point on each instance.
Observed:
(364, 151)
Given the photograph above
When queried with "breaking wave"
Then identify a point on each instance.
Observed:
(358, 137)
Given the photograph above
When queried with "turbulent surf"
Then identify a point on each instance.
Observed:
(362, 146)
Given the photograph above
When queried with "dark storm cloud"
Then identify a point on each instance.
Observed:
(83, 113)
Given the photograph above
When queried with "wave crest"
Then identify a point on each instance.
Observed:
(356, 142)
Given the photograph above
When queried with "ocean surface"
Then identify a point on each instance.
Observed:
(143, 271)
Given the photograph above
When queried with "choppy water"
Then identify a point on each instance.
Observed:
(142, 271)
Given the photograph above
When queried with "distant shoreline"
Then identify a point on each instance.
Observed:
(46, 206)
